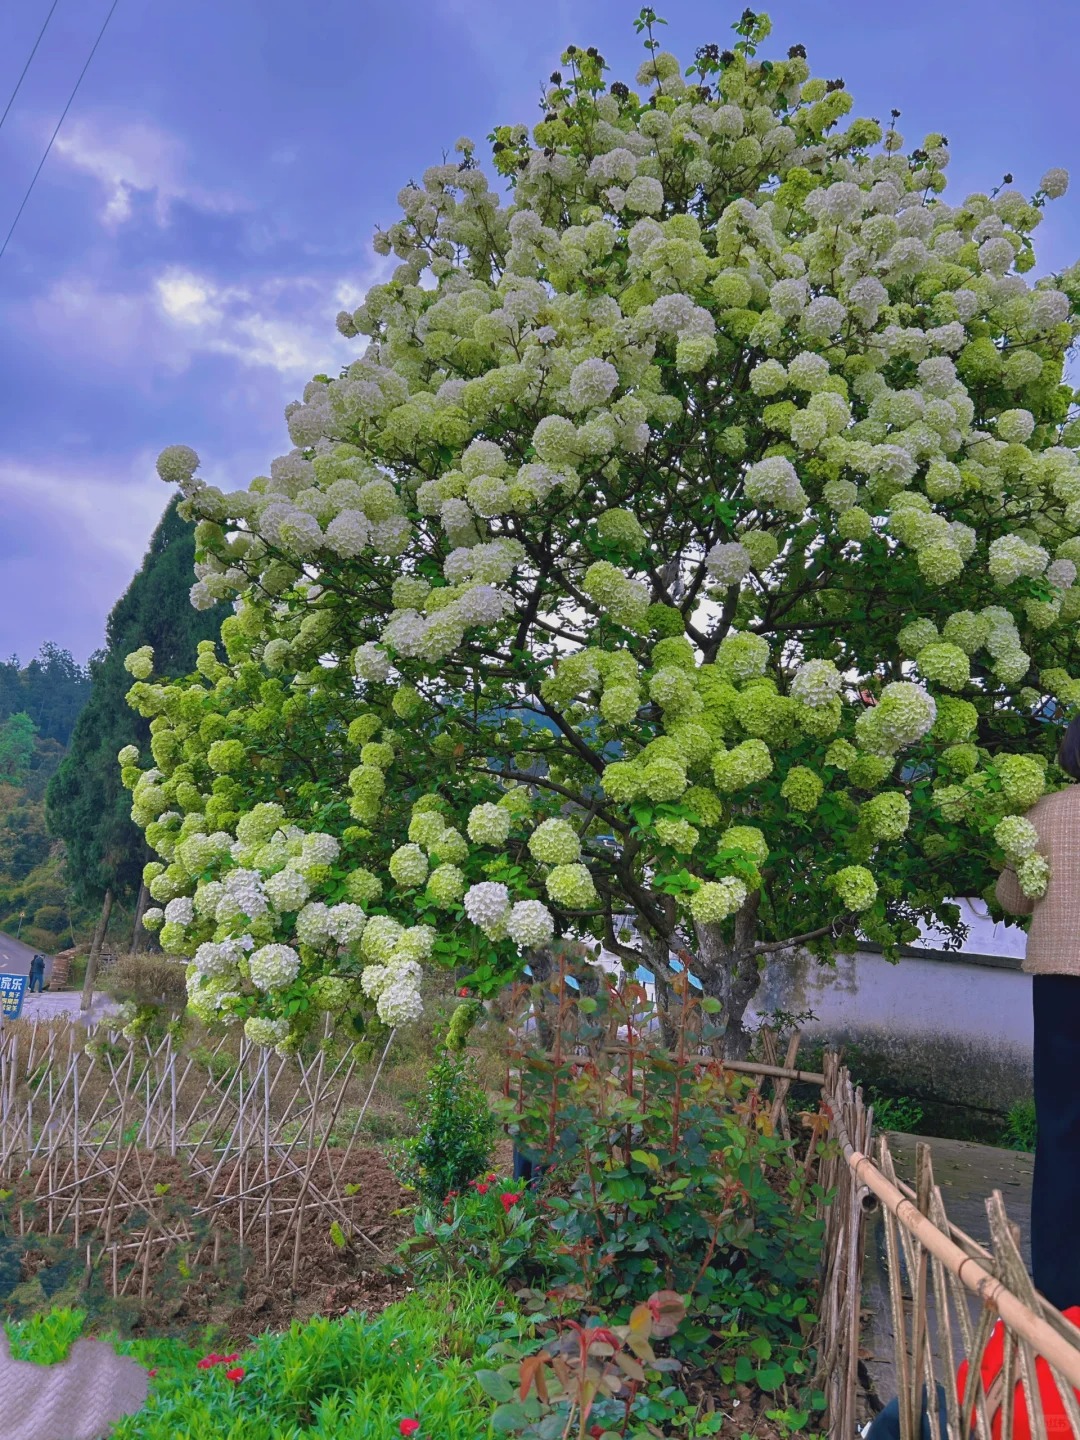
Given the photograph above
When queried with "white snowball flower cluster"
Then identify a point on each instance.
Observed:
(773, 484)
(244, 893)
(287, 890)
(313, 924)
(346, 923)
(395, 988)
(728, 563)
(371, 663)
(180, 911)
(530, 924)
(177, 464)
(215, 961)
(816, 683)
(486, 905)
(274, 967)
(489, 825)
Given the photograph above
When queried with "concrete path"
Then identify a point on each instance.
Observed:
(966, 1175)
(55, 1004)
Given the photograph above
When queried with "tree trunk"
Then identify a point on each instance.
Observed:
(137, 932)
(656, 954)
(95, 951)
(731, 974)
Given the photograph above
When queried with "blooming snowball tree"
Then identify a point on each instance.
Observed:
(687, 560)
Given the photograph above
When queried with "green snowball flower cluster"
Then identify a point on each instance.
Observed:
(1017, 838)
(620, 528)
(679, 834)
(571, 887)
(1033, 875)
(1023, 780)
(745, 765)
(855, 887)
(944, 664)
(489, 825)
(747, 838)
(663, 780)
(885, 817)
(715, 900)
(446, 886)
(555, 842)
(409, 866)
(802, 788)
(140, 664)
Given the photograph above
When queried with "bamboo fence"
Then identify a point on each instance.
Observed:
(133, 1148)
(946, 1294)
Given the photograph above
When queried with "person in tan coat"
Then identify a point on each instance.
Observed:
(1053, 960)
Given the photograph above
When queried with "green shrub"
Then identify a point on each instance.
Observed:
(675, 1182)
(899, 1113)
(455, 1136)
(51, 918)
(1021, 1130)
(494, 1227)
(147, 979)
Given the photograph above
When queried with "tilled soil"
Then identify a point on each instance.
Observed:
(187, 1292)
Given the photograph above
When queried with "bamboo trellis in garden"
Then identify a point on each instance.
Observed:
(946, 1292)
(132, 1147)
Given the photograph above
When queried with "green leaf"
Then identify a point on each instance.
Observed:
(495, 1385)
(770, 1377)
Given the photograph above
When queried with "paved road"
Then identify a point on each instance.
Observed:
(16, 954)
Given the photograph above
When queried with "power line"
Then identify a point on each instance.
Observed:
(67, 107)
(26, 67)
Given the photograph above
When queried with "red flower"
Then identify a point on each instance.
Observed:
(491, 1179)
(464, 990)
(596, 1431)
(509, 1200)
(152, 1373)
(209, 1361)
(235, 1374)
(408, 1427)
(482, 1189)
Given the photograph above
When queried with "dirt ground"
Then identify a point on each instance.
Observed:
(188, 1293)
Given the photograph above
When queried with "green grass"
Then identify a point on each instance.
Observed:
(1020, 1128)
(347, 1378)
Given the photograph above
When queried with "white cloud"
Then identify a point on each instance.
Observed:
(115, 513)
(280, 323)
(259, 325)
(133, 156)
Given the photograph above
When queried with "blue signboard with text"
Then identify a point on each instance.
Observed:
(12, 990)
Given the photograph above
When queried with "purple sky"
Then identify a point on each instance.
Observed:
(208, 208)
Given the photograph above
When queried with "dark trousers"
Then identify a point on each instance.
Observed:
(37, 982)
(887, 1425)
(527, 1170)
(1055, 1191)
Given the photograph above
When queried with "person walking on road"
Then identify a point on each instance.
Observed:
(37, 974)
(1053, 960)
